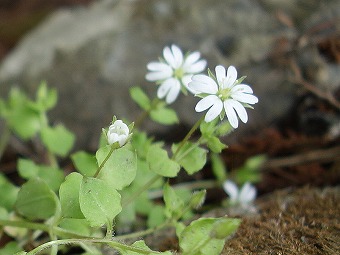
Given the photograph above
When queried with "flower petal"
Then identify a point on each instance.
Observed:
(243, 88)
(158, 76)
(164, 88)
(214, 110)
(205, 103)
(178, 55)
(231, 77)
(196, 67)
(247, 193)
(231, 189)
(173, 92)
(169, 57)
(245, 98)
(240, 110)
(220, 73)
(191, 59)
(231, 114)
(158, 66)
(186, 79)
(203, 84)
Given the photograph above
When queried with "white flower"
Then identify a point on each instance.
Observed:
(118, 132)
(243, 197)
(223, 96)
(174, 72)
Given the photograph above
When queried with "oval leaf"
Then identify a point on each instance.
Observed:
(120, 169)
(69, 196)
(160, 163)
(99, 202)
(36, 200)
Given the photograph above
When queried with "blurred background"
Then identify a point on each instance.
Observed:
(92, 52)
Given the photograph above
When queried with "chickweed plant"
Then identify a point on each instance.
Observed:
(98, 203)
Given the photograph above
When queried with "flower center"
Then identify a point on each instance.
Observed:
(224, 94)
(178, 73)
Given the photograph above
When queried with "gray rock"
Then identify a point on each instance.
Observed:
(94, 55)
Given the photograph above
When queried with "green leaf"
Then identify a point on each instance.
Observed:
(191, 157)
(156, 216)
(141, 143)
(120, 169)
(58, 139)
(69, 196)
(164, 115)
(11, 248)
(196, 238)
(24, 121)
(53, 176)
(46, 98)
(8, 193)
(174, 204)
(27, 168)
(85, 163)
(142, 247)
(215, 145)
(99, 202)
(36, 200)
(138, 95)
(225, 227)
(218, 167)
(160, 163)
(76, 226)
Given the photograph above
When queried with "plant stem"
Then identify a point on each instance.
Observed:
(111, 243)
(146, 113)
(145, 187)
(187, 137)
(113, 147)
(206, 184)
(143, 232)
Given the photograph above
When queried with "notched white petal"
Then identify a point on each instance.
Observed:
(205, 103)
(245, 98)
(214, 110)
(231, 114)
(247, 193)
(178, 55)
(191, 59)
(241, 111)
(196, 67)
(231, 189)
(164, 88)
(173, 92)
(169, 57)
(220, 73)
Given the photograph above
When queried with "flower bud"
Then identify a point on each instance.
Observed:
(118, 132)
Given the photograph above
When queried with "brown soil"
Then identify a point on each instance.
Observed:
(302, 221)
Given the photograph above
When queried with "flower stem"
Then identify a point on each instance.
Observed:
(146, 113)
(187, 137)
(145, 187)
(111, 243)
(113, 147)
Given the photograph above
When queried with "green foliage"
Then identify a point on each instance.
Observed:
(120, 169)
(8, 193)
(160, 162)
(138, 95)
(58, 139)
(69, 196)
(99, 202)
(52, 176)
(201, 238)
(85, 163)
(191, 157)
(36, 200)
(218, 167)
(10, 248)
(76, 226)
(164, 115)
(210, 135)
(249, 172)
